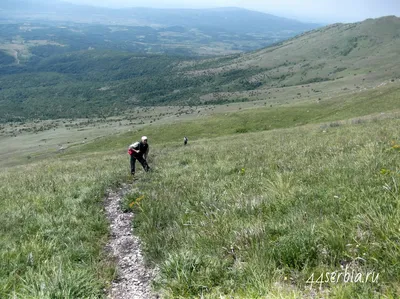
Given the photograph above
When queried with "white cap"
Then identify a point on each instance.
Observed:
(144, 138)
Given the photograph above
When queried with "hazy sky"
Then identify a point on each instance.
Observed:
(307, 10)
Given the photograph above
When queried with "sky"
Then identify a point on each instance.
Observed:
(327, 11)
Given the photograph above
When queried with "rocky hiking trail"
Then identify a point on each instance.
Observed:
(133, 279)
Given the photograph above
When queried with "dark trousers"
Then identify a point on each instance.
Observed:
(141, 160)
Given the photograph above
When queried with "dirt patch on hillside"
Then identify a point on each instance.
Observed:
(133, 280)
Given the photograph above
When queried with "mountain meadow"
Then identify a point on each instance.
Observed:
(291, 171)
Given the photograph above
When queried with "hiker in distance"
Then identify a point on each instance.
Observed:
(139, 151)
(185, 140)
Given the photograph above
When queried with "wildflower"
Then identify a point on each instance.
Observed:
(394, 145)
(136, 201)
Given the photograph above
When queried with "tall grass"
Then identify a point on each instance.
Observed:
(255, 215)
(243, 215)
(53, 228)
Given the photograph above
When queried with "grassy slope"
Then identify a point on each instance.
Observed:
(358, 55)
(226, 215)
(257, 214)
(378, 101)
(369, 44)
(53, 229)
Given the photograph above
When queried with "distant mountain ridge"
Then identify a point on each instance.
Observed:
(192, 32)
(229, 19)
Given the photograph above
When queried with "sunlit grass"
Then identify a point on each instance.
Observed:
(231, 214)
(248, 215)
(53, 228)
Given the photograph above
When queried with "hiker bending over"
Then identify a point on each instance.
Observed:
(185, 140)
(139, 151)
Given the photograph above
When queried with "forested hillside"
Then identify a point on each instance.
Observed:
(338, 59)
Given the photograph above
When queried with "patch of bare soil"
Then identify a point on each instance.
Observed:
(133, 280)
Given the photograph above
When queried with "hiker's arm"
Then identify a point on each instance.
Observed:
(131, 147)
(146, 153)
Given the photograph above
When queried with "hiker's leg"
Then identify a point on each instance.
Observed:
(144, 163)
(133, 162)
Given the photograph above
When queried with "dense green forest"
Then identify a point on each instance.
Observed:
(92, 83)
